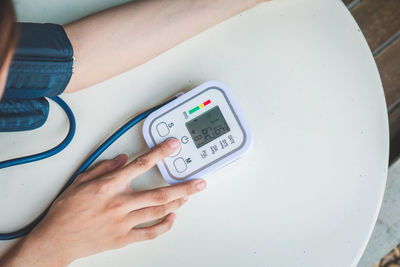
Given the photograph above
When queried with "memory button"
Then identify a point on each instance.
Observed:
(180, 165)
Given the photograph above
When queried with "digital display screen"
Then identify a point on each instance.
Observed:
(207, 127)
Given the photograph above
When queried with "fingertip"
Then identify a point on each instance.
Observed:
(122, 158)
(172, 144)
(196, 180)
(172, 217)
(200, 184)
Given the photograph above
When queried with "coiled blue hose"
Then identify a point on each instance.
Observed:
(25, 230)
(54, 150)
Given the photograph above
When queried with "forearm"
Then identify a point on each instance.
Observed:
(32, 251)
(118, 39)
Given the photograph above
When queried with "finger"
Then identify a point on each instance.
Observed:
(164, 195)
(148, 233)
(153, 213)
(143, 163)
(103, 168)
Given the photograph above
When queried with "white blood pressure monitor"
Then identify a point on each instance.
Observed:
(208, 123)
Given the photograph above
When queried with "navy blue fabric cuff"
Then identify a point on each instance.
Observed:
(41, 67)
(23, 114)
(42, 63)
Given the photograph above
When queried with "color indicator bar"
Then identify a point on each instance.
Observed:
(199, 107)
(194, 110)
(207, 102)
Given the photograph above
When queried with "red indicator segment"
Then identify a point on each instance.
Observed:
(207, 102)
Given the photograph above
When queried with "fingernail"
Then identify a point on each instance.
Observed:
(185, 199)
(119, 158)
(173, 143)
(201, 185)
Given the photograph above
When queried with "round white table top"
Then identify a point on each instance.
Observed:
(309, 192)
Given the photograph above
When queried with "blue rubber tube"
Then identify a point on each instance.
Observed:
(54, 150)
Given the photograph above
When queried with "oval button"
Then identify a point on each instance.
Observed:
(180, 165)
(162, 129)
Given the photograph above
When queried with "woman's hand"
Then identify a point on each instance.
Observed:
(99, 211)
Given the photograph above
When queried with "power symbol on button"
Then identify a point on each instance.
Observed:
(185, 139)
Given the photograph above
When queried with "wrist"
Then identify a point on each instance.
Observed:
(49, 249)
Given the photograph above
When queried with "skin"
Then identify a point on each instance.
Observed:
(138, 31)
(4, 73)
(100, 211)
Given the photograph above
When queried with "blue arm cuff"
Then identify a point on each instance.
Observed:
(42, 63)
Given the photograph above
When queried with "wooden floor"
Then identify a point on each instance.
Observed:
(379, 20)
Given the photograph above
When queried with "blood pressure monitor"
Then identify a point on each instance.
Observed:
(210, 126)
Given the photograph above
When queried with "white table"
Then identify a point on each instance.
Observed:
(309, 193)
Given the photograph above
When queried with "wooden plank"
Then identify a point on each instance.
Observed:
(388, 62)
(347, 2)
(394, 124)
(378, 19)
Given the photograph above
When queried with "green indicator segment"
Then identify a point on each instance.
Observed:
(194, 110)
